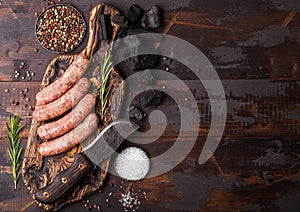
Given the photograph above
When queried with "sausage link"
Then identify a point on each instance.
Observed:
(64, 103)
(71, 139)
(60, 86)
(69, 121)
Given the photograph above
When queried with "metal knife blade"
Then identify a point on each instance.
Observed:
(105, 144)
(108, 141)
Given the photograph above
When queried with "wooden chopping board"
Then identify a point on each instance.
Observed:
(38, 171)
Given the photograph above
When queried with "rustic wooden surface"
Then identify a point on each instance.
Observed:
(255, 48)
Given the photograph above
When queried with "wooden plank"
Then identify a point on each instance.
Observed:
(254, 107)
(246, 174)
(231, 49)
(21, 106)
(247, 179)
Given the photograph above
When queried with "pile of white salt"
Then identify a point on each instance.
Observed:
(132, 164)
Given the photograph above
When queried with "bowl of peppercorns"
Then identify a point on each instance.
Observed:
(60, 28)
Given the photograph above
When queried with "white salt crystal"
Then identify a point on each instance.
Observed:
(132, 164)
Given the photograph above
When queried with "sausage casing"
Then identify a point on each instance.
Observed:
(71, 139)
(64, 103)
(60, 86)
(68, 122)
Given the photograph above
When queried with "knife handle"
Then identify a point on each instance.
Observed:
(65, 180)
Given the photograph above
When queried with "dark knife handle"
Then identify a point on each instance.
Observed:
(65, 180)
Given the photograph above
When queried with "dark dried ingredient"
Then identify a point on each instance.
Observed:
(135, 112)
(105, 27)
(134, 13)
(146, 78)
(152, 98)
(142, 62)
(122, 33)
(151, 19)
(120, 20)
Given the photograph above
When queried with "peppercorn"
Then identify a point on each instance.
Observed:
(60, 28)
(6, 90)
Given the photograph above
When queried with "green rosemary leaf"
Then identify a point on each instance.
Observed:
(14, 146)
(105, 73)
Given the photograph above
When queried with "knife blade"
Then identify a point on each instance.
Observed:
(103, 146)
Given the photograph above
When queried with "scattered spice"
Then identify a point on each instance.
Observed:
(91, 206)
(132, 164)
(14, 149)
(60, 28)
(131, 200)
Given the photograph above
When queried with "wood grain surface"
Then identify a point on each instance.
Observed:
(254, 46)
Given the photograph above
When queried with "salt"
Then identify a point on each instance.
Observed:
(132, 164)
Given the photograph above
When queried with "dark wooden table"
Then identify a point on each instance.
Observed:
(254, 46)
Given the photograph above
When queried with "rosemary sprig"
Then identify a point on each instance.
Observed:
(105, 72)
(14, 149)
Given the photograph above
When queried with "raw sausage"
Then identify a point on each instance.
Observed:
(71, 139)
(69, 121)
(64, 103)
(60, 86)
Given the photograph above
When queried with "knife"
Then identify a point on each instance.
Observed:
(103, 146)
